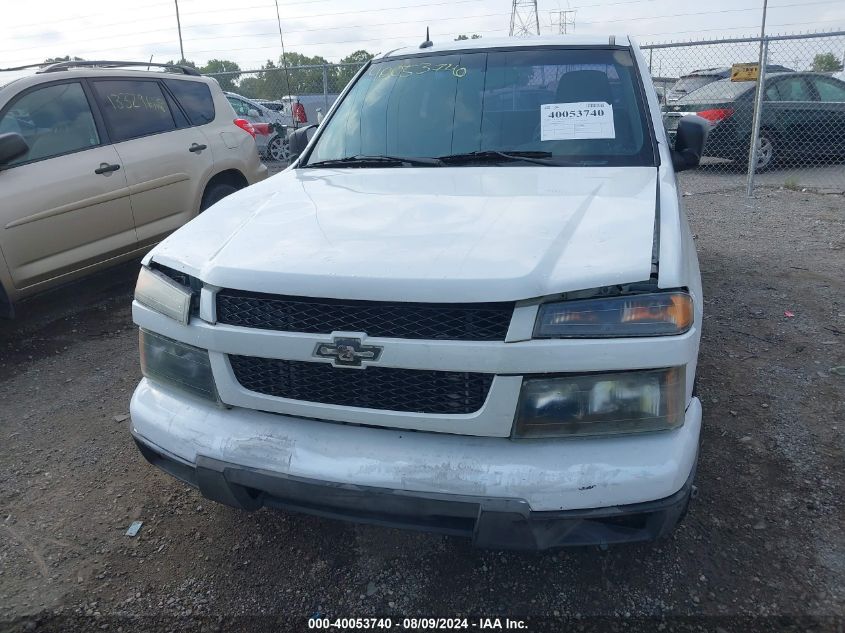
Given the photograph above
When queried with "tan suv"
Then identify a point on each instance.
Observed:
(98, 164)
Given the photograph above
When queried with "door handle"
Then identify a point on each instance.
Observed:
(105, 168)
(197, 148)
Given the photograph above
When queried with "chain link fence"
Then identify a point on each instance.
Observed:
(801, 141)
(801, 138)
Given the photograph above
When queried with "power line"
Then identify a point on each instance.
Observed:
(410, 38)
(93, 15)
(270, 33)
(353, 26)
(735, 28)
(716, 12)
(187, 27)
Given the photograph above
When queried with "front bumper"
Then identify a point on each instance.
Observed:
(527, 494)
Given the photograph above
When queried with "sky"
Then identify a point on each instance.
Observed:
(247, 31)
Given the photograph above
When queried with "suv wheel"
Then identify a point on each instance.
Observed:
(215, 193)
(279, 149)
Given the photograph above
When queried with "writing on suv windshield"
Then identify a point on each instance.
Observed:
(546, 106)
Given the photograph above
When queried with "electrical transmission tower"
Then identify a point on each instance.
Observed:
(524, 18)
(564, 21)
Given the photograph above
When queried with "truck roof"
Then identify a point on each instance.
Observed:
(510, 42)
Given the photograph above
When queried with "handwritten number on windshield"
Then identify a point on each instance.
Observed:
(410, 70)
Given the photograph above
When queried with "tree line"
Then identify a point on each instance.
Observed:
(272, 81)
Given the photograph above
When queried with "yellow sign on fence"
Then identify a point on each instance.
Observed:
(745, 72)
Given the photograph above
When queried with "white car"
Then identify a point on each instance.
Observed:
(455, 311)
(271, 127)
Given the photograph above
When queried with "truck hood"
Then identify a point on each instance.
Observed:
(440, 234)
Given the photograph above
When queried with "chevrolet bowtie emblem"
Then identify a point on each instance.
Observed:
(348, 352)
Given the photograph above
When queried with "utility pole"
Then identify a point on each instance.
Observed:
(179, 27)
(758, 104)
(524, 18)
(564, 20)
(284, 62)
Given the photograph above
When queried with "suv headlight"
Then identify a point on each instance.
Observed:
(652, 314)
(601, 403)
(169, 292)
(177, 364)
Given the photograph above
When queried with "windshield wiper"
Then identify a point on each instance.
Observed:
(536, 157)
(380, 161)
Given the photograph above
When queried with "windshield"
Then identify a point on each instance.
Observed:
(685, 85)
(574, 106)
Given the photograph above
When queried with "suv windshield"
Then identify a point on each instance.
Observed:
(543, 106)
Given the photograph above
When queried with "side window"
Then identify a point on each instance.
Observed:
(53, 120)
(830, 91)
(240, 107)
(195, 98)
(790, 89)
(133, 108)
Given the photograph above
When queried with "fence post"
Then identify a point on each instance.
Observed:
(650, 55)
(758, 115)
(326, 88)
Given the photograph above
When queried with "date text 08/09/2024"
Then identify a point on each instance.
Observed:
(415, 624)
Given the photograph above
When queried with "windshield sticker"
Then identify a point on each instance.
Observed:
(410, 70)
(581, 120)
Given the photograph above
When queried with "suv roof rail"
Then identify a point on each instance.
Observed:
(187, 70)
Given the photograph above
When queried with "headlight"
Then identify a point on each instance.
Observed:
(602, 404)
(164, 294)
(177, 364)
(654, 314)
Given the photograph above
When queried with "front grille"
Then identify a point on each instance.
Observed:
(412, 390)
(445, 321)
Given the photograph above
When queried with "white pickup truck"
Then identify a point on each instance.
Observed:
(472, 305)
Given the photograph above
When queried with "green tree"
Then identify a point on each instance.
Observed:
(826, 63)
(344, 74)
(229, 81)
(462, 37)
(182, 62)
(302, 80)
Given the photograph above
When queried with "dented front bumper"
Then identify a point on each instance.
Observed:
(525, 494)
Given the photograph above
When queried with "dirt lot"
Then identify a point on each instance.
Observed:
(763, 538)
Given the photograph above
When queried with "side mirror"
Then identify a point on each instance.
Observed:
(689, 142)
(253, 113)
(12, 146)
(299, 140)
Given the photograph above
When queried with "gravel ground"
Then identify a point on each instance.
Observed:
(763, 540)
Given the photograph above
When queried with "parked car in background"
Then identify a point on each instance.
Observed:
(803, 117)
(472, 306)
(97, 165)
(290, 109)
(271, 127)
(699, 78)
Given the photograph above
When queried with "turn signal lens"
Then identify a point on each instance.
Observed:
(156, 290)
(654, 314)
